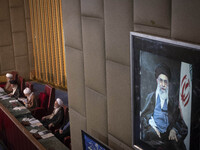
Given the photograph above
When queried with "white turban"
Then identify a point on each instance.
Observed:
(27, 91)
(9, 75)
(60, 102)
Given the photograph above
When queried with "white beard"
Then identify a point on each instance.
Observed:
(163, 93)
(56, 107)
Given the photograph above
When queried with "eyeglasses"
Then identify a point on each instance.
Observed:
(163, 81)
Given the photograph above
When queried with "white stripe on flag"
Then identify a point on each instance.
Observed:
(185, 97)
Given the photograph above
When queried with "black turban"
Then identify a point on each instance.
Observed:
(13, 82)
(162, 69)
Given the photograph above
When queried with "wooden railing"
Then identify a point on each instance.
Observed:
(14, 135)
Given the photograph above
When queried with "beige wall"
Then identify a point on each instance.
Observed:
(98, 64)
(15, 38)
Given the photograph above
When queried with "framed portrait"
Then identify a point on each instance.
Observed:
(165, 93)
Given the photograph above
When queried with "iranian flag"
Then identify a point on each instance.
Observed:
(185, 97)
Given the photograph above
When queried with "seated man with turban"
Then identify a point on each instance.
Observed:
(56, 117)
(8, 88)
(15, 89)
(31, 98)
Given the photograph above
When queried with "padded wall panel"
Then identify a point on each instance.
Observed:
(7, 57)
(75, 79)
(119, 100)
(96, 113)
(17, 19)
(31, 58)
(185, 20)
(20, 43)
(92, 8)
(28, 31)
(72, 23)
(94, 54)
(77, 123)
(116, 144)
(154, 13)
(22, 66)
(5, 36)
(26, 8)
(4, 10)
(118, 24)
(16, 3)
(152, 30)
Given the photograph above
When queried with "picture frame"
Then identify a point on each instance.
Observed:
(181, 62)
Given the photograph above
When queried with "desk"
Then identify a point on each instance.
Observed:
(17, 136)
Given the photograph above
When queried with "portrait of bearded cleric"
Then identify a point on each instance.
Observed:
(161, 122)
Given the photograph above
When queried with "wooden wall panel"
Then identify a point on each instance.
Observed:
(13, 18)
(94, 28)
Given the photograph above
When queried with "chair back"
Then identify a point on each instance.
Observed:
(29, 85)
(41, 109)
(50, 91)
(43, 100)
(15, 75)
(66, 114)
(21, 84)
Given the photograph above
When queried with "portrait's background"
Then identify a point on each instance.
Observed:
(148, 84)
